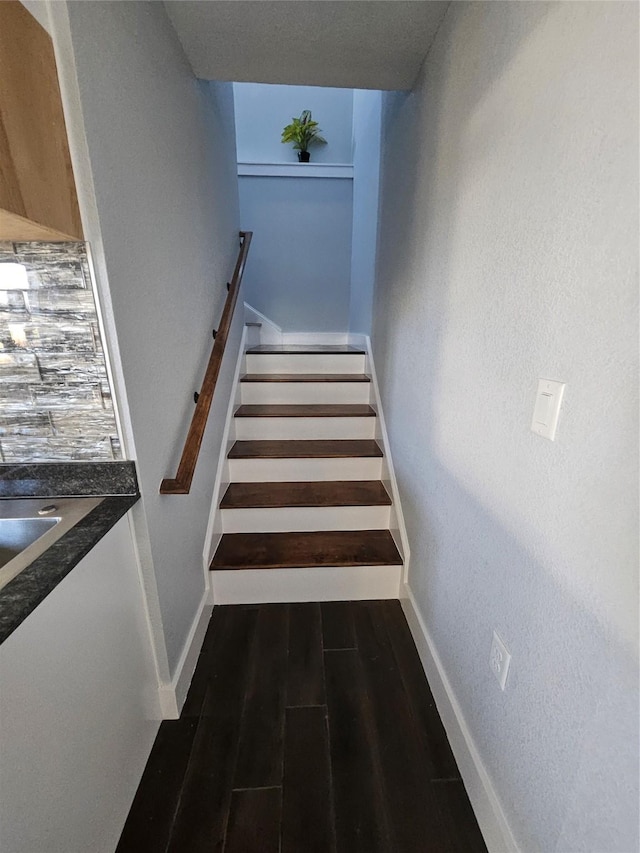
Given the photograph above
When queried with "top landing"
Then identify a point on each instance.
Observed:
(296, 349)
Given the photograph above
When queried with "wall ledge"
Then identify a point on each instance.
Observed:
(296, 170)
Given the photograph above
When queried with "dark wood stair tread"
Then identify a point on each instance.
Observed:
(306, 410)
(300, 550)
(305, 377)
(302, 349)
(305, 449)
(319, 493)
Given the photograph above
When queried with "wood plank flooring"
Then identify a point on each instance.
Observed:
(308, 728)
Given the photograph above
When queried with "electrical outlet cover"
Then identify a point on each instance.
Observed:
(499, 660)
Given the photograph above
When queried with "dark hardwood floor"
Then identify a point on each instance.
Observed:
(308, 728)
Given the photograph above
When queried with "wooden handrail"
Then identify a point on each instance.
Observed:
(182, 482)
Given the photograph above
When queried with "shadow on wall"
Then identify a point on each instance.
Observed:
(559, 742)
(475, 299)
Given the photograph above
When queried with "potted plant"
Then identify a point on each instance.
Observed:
(303, 132)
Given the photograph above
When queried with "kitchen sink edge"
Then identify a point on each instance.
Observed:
(114, 483)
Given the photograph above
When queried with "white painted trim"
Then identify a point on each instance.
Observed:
(255, 429)
(327, 362)
(328, 583)
(301, 393)
(299, 470)
(316, 338)
(141, 542)
(399, 533)
(304, 518)
(483, 796)
(214, 527)
(357, 339)
(270, 333)
(296, 170)
(60, 30)
(173, 695)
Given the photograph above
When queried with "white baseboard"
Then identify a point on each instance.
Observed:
(482, 794)
(173, 695)
(398, 527)
(214, 527)
(270, 333)
(315, 338)
(358, 339)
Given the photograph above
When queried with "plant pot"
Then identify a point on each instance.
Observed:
(304, 156)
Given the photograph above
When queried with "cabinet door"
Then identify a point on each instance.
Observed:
(37, 191)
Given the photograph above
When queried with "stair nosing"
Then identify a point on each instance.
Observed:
(345, 455)
(301, 410)
(302, 378)
(318, 484)
(344, 560)
(305, 349)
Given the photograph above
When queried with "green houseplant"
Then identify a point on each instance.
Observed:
(303, 132)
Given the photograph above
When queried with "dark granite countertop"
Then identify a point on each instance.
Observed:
(116, 481)
(67, 479)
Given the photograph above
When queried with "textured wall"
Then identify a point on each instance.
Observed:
(509, 252)
(56, 399)
(162, 151)
(263, 110)
(301, 251)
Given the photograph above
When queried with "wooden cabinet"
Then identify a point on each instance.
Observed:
(38, 199)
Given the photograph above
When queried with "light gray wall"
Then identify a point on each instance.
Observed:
(300, 270)
(79, 708)
(263, 110)
(162, 151)
(366, 182)
(509, 252)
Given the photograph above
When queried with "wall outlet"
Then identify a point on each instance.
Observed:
(499, 660)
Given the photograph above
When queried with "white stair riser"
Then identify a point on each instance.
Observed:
(340, 583)
(290, 519)
(301, 393)
(323, 363)
(302, 470)
(252, 429)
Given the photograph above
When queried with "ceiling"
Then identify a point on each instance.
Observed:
(366, 44)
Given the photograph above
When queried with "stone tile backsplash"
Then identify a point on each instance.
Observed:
(55, 399)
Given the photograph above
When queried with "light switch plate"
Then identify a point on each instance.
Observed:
(547, 408)
(499, 660)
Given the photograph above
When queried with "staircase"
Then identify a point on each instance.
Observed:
(306, 515)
